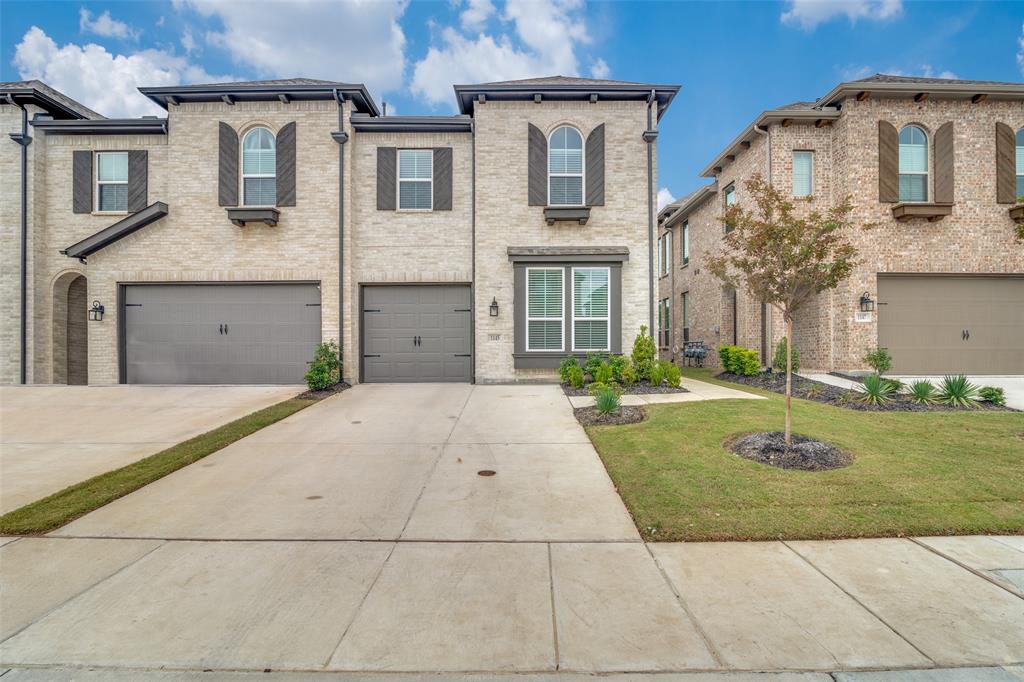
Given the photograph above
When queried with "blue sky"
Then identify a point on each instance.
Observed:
(732, 59)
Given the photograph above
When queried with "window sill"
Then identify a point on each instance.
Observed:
(930, 211)
(580, 214)
(243, 215)
(111, 213)
(684, 266)
(1017, 213)
(414, 210)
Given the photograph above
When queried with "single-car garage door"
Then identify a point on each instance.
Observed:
(219, 333)
(416, 333)
(949, 324)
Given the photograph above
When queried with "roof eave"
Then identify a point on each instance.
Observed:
(107, 126)
(45, 101)
(211, 93)
(692, 204)
(994, 90)
(466, 94)
(365, 123)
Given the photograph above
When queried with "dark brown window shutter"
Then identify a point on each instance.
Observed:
(595, 167)
(443, 179)
(286, 165)
(944, 163)
(537, 161)
(138, 180)
(81, 182)
(1006, 164)
(387, 168)
(888, 163)
(227, 182)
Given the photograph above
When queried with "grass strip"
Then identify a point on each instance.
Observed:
(64, 506)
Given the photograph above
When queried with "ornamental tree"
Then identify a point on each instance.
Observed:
(784, 255)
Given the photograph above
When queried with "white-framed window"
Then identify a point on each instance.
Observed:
(591, 308)
(913, 164)
(1020, 163)
(686, 316)
(112, 182)
(803, 173)
(686, 242)
(259, 168)
(665, 255)
(545, 312)
(730, 195)
(415, 179)
(664, 323)
(565, 167)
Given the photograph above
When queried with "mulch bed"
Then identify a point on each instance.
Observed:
(805, 454)
(639, 388)
(627, 414)
(819, 392)
(326, 393)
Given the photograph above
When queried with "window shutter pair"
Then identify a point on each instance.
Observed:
(229, 158)
(82, 181)
(1006, 164)
(889, 163)
(537, 162)
(387, 178)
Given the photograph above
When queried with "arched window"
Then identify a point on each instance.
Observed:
(1020, 163)
(565, 167)
(259, 168)
(913, 164)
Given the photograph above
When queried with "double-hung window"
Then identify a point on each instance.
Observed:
(666, 253)
(415, 179)
(1020, 163)
(686, 242)
(664, 324)
(565, 167)
(591, 309)
(112, 181)
(730, 199)
(913, 164)
(545, 316)
(686, 316)
(259, 168)
(803, 174)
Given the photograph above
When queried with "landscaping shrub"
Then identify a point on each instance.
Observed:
(992, 394)
(958, 391)
(876, 390)
(576, 377)
(618, 363)
(595, 389)
(325, 370)
(603, 374)
(922, 392)
(779, 361)
(591, 364)
(740, 360)
(644, 352)
(566, 366)
(607, 401)
(628, 375)
(657, 374)
(879, 360)
(673, 377)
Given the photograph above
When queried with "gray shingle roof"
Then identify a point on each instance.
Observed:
(268, 83)
(55, 95)
(888, 78)
(561, 80)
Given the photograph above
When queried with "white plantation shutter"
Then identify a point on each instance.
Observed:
(259, 168)
(913, 164)
(544, 309)
(803, 172)
(591, 306)
(415, 179)
(565, 167)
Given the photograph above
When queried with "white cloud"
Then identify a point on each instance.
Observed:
(851, 73)
(807, 14)
(599, 69)
(100, 80)
(1020, 50)
(476, 15)
(664, 198)
(544, 40)
(105, 25)
(188, 41)
(353, 41)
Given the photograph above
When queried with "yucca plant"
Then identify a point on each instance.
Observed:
(922, 392)
(875, 390)
(607, 401)
(958, 391)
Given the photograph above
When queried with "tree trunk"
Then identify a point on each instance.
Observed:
(789, 380)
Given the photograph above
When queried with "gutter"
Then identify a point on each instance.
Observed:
(341, 137)
(472, 258)
(650, 135)
(767, 309)
(24, 140)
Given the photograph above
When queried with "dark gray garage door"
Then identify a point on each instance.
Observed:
(946, 324)
(416, 333)
(220, 333)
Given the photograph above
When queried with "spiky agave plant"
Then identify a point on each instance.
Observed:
(875, 390)
(958, 391)
(922, 392)
(607, 401)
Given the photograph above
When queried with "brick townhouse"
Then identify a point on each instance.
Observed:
(936, 165)
(221, 243)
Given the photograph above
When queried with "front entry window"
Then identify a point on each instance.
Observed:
(591, 308)
(544, 310)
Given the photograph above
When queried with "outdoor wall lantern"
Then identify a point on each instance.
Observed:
(96, 311)
(494, 307)
(866, 304)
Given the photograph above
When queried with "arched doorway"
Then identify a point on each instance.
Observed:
(70, 330)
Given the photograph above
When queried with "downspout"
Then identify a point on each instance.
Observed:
(472, 258)
(24, 140)
(650, 135)
(341, 137)
(766, 132)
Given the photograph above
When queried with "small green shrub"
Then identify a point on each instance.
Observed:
(922, 392)
(325, 370)
(992, 394)
(814, 391)
(879, 360)
(896, 385)
(591, 364)
(740, 360)
(618, 363)
(644, 352)
(673, 377)
(607, 401)
(566, 366)
(576, 377)
(958, 391)
(779, 361)
(875, 390)
(657, 374)
(597, 387)
(604, 374)
(628, 375)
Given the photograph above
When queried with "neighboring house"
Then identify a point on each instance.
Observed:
(936, 166)
(222, 243)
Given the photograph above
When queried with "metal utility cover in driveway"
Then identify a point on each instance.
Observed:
(220, 333)
(417, 333)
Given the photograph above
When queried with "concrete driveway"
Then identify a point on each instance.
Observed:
(54, 436)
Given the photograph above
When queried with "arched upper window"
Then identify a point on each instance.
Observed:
(565, 167)
(259, 168)
(913, 164)
(1020, 163)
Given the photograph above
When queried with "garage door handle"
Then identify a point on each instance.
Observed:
(371, 310)
(226, 329)
(221, 329)
(371, 356)
(463, 355)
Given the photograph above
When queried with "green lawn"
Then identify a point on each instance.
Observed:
(914, 473)
(77, 500)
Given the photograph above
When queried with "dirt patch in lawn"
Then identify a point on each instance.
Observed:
(805, 454)
(627, 414)
(639, 388)
(325, 393)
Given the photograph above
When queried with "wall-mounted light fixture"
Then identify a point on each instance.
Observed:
(494, 307)
(866, 304)
(96, 312)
